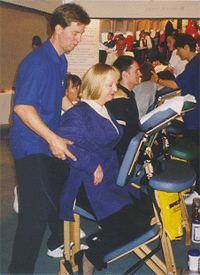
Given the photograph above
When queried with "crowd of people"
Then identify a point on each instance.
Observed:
(70, 133)
(146, 46)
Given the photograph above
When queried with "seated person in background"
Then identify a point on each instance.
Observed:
(71, 97)
(129, 42)
(145, 45)
(123, 106)
(106, 47)
(188, 81)
(145, 91)
(72, 92)
(95, 133)
(120, 50)
(142, 39)
(176, 64)
(110, 43)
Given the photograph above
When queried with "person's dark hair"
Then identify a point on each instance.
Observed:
(65, 14)
(111, 33)
(123, 63)
(146, 69)
(185, 39)
(36, 40)
(166, 75)
(169, 29)
(75, 79)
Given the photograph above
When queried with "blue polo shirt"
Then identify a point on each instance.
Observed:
(189, 83)
(41, 83)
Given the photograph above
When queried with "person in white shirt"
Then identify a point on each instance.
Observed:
(176, 65)
(120, 50)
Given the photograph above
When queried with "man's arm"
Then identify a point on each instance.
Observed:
(31, 118)
(167, 83)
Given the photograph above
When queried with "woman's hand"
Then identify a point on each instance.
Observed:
(98, 175)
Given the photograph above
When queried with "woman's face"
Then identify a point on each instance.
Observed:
(109, 88)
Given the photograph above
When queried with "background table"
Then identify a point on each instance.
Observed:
(6, 100)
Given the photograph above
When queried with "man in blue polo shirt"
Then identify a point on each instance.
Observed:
(189, 83)
(40, 88)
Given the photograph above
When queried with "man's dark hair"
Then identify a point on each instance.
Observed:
(65, 14)
(146, 69)
(166, 75)
(185, 39)
(123, 63)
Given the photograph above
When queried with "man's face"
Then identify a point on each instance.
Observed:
(70, 37)
(183, 52)
(133, 74)
(120, 45)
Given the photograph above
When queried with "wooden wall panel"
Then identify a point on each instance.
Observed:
(17, 29)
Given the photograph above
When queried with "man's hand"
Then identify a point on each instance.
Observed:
(154, 77)
(98, 175)
(58, 147)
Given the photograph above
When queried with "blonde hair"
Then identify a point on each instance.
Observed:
(93, 80)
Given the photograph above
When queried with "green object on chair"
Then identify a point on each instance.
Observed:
(185, 149)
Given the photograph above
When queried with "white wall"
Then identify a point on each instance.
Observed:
(125, 8)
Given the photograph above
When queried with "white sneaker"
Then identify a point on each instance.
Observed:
(56, 253)
(189, 200)
(82, 234)
(15, 203)
(84, 246)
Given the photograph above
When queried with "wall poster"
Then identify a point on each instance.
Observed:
(86, 53)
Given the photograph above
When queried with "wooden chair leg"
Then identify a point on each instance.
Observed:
(185, 220)
(166, 245)
(63, 270)
(168, 253)
(71, 244)
(154, 263)
(75, 238)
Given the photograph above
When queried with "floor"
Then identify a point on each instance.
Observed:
(45, 264)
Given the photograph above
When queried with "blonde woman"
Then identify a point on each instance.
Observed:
(95, 134)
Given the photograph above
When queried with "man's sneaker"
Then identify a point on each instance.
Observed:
(189, 200)
(15, 203)
(56, 253)
(82, 234)
(84, 246)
